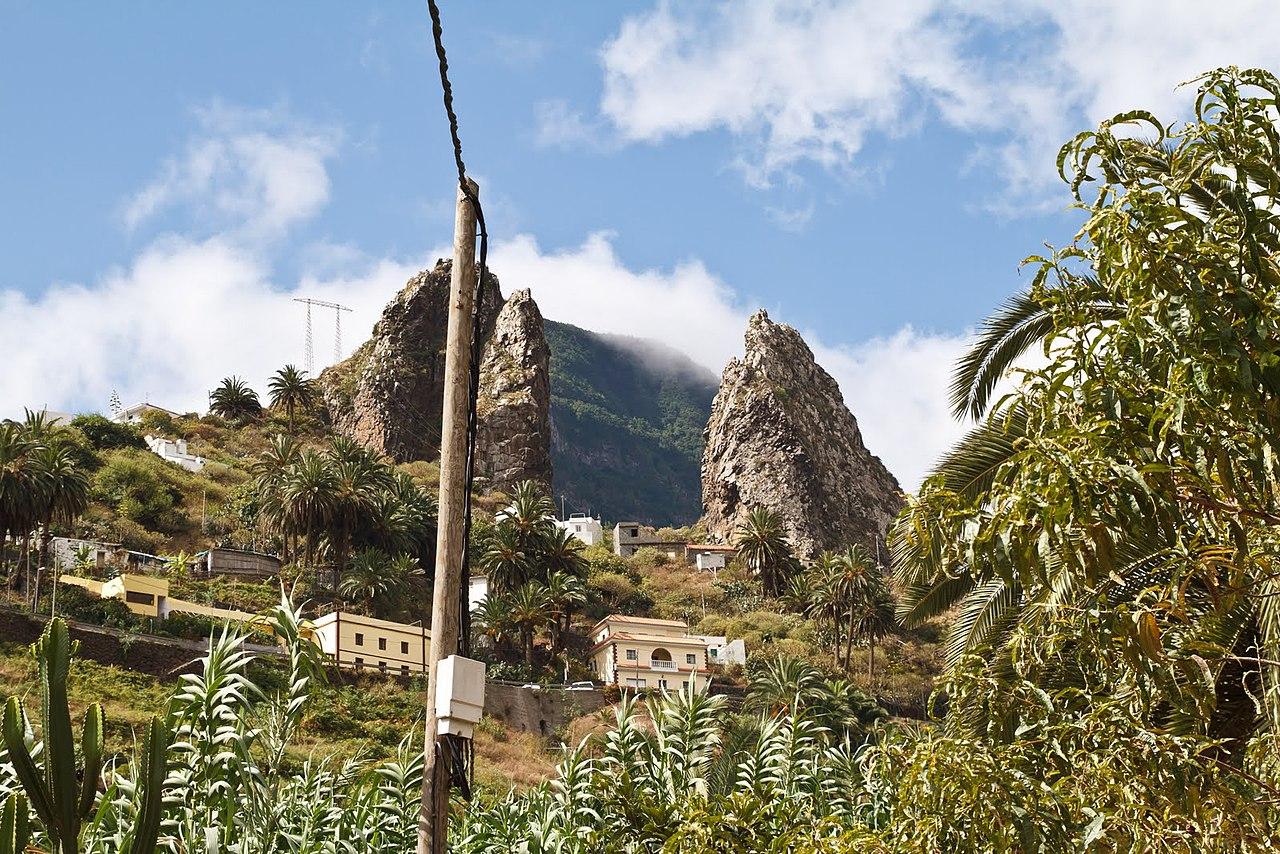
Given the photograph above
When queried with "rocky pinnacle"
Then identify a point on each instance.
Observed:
(781, 437)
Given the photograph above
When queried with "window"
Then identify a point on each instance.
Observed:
(712, 652)
(359, 663)
(382, 643)
(632, 655)
(684, 683)
(637, 683)
(633, 532)
(662, 683)
(404, 647)
(139, 598)
(382, 667)
(404, 670)
(359, 639)
(691, 658)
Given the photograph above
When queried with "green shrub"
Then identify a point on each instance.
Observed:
(140, 487)
(106, 435)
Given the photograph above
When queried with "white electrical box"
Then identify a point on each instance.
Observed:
(459, 695)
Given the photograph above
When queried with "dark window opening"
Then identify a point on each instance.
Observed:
(359, 639)
(139, 598)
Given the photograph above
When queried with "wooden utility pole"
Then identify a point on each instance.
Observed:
(433, 820)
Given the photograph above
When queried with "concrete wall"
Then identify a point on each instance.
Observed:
(542, 712)
(163, 657)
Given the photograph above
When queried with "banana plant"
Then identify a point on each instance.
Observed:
(61, 795)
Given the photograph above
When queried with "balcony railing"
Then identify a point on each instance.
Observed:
(660, 664)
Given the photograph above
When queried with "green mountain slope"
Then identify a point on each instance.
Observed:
(627, 417)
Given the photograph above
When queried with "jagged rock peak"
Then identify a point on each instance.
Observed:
(513, 434)
(781, 437)
(389, 394)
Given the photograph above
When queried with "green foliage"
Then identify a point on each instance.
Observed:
(107, 435)
(627, 419)
(64, 796)
(141, 487)
(234, 401)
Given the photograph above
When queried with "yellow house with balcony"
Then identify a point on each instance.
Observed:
(642, 653)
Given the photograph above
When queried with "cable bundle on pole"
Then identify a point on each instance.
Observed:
(464, 616)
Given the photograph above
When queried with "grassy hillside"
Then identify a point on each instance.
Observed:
(627, 419)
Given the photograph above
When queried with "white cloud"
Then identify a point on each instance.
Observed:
(168, 327)
(256, 171)
(557, 125)
(190, 310)
(811, 80)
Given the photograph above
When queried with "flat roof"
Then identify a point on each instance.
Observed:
(651, 621)
(709, 547)
(372, 622)
(660, 640)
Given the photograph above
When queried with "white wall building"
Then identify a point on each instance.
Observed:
(721, 650)
(133, 414)
(175, 451)
(582, 526)
(477, 590)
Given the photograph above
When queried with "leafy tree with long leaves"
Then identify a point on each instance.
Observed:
(1120, 503)
(291, 390)
(762, 543)
(234, 400)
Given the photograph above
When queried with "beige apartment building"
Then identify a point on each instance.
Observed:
(367, 643)
(640, 653)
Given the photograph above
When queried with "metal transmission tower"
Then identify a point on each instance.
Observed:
(337, 329)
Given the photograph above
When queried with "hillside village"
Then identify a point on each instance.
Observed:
(184, 523)
(573, 545)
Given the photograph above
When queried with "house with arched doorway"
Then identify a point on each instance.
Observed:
(643, 653)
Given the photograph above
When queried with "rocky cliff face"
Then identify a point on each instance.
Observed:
(388, 395)
(781, 437)
(513, 433)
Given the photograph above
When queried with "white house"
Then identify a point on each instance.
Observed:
(582, 526)
(174, 451)
(477, 590)
(721, 650)
(133, 414)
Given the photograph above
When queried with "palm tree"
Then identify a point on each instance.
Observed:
(492, 619)
(561, 552)
(20, 483)
(234, 400)
(63, 495)
(762, 543)
(504, 559)
(375, 579)
(565, 593)
(291, 390)
(308, 499)
(782, 684)
(531, 514)
(855, 574)
(818, 594)
(269, 473)
(530, 611)
(871, 617)
(358, 479)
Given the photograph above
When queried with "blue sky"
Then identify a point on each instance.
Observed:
(173, 174)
